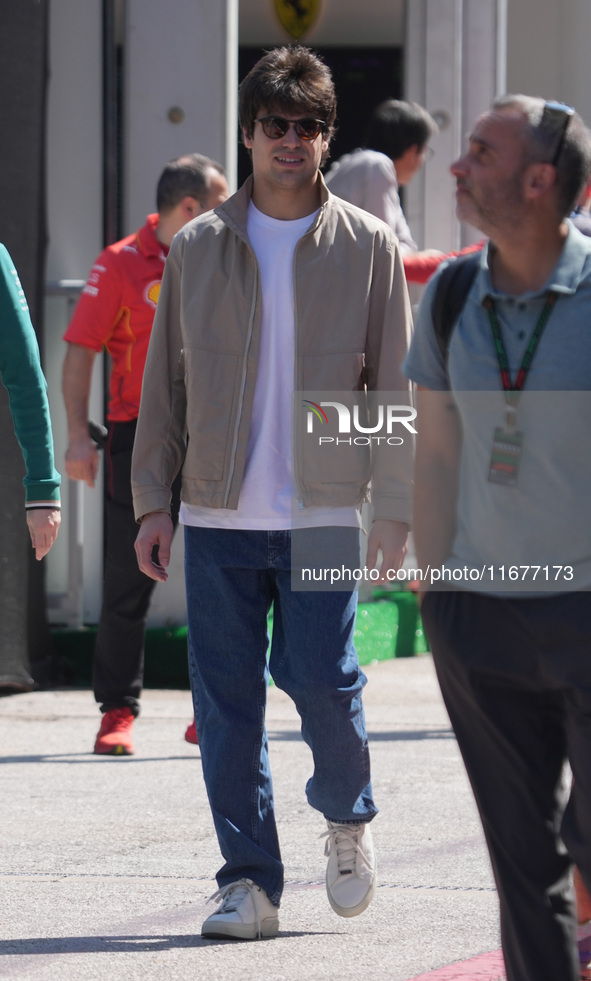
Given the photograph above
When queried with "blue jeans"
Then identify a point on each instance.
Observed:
(232, 579)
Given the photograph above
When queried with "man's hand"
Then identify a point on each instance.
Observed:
(156, 529)
(388, 537)
(43, 525)
(82, 460)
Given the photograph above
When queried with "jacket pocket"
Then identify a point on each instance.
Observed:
(212, 381)
(332, 371)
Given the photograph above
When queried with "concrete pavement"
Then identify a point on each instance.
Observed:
(107, 863)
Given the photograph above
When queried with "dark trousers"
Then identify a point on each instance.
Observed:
(515, 675)
(118, 668)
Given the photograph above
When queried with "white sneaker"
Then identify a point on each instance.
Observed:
(351, 870)
(245, 913)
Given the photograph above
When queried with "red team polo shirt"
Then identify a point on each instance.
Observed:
(116, 311)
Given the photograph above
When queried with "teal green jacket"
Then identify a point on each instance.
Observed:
(20, 369)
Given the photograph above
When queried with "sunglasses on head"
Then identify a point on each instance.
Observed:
(556, 117)
(276, 126)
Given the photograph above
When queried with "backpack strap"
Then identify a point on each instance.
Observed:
(452, 289)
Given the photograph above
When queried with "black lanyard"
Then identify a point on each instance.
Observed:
(512, 391)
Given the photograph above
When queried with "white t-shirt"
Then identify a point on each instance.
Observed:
(266, 502)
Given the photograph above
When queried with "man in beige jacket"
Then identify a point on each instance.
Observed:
(283, 289)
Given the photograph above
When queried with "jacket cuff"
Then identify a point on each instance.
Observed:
(42, 490)
(393, 509)
(146, 502)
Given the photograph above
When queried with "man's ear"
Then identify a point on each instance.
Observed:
(539, 179)
(247, 139)
(411, 152)
(408, 163)
(190, 207)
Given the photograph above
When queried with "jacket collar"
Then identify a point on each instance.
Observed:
(234, 211)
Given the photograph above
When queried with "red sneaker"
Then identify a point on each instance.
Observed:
(585, 958)
(191, 734)
(114, 735)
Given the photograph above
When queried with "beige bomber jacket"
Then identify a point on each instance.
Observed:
(353, 327)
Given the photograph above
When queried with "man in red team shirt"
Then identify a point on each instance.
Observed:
(116, 311)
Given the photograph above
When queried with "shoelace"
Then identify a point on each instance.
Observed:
(345, 840)
(231, 896)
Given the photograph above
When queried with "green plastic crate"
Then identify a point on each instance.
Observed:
(389, 626)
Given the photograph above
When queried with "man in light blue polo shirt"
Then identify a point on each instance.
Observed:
(502, 526)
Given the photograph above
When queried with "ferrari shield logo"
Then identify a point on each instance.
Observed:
(297, 16)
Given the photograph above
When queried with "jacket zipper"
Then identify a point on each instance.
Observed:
(295, 429)
(242, 385)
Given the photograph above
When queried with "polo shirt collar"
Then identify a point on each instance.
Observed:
(565, 278)
(147, 241)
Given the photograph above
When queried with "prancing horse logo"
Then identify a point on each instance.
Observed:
(297, 16)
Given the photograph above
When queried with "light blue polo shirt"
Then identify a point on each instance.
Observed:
(545, 521)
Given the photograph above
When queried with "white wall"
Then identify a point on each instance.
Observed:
(74, 206)
(74, 138)
(455, 65)
(183, 54)
(548, 51)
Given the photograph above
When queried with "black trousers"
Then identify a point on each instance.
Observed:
(515, 675)
(118, 668)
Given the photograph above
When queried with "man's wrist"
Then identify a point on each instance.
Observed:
(75, 435)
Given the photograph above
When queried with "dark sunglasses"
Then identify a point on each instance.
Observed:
(276, 127)
(556, 117)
